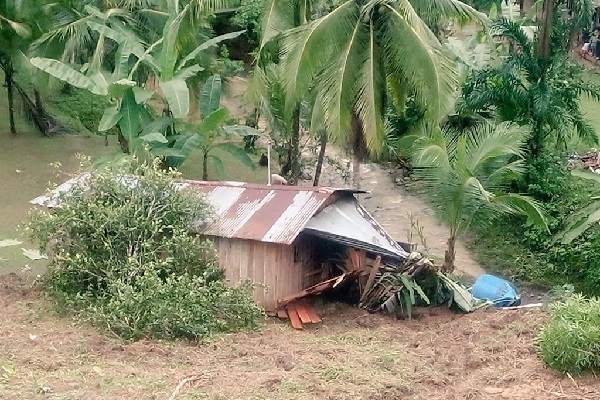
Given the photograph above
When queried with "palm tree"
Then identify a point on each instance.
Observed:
(19, 23)
(279, 17)
(467, 175)
(530, 88)
(356, 57)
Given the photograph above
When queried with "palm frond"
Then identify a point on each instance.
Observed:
(277, 17)
(304, 48)
(338, 81)
(467, 173)
(512, 31)
(488, 143)
(427, 71)
(370, 97)
(450, 10)
(523, 205)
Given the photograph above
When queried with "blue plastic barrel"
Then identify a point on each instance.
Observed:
(497, 290)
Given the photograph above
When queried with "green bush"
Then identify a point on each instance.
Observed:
(80, 105)
(529, 254)
(122, 257)
(570, 342)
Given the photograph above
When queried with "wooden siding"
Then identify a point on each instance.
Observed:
(269, 266)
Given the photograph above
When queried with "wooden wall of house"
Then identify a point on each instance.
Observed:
(269, 266)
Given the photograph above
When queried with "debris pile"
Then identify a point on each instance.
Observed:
(589, 161)
(382, 285)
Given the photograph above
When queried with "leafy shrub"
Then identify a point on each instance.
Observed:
(570, 342)
(529, 254)
(122, 257)
(248, 16)
(80, 105)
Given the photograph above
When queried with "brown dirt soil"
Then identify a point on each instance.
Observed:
(351, 355)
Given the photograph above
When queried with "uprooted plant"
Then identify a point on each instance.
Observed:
(123, 257)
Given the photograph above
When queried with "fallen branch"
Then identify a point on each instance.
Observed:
(182, 383)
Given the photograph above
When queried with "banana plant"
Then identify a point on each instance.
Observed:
(213, 132)
(130, 111)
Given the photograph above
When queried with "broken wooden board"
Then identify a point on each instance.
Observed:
(318, 288)
(294, 318)
(300, 313)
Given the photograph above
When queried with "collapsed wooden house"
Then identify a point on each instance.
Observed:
(291, 241)
(286, 239)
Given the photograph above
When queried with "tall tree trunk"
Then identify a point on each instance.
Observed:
(295, 164)
(8, 79)
(123, 142)
(449, 255)
(42, 122)
(359, 149)
(535, 143)
(320, 158)
(205, 166)
(546, 29)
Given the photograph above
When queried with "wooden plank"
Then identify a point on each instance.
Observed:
(294, 317)
(259, 274)
(371, 279)
(282, 314)
(318, 288)
(302, 313)
(314, 317)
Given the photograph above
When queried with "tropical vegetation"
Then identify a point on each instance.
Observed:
(483, 111)
(149, 278)
(542, 93)
(469, 175)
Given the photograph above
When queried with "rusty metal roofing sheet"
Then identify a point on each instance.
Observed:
(275, 214)
(347, 222)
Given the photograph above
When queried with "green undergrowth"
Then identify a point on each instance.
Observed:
(122, 258)
(527, 254)
(570, 342)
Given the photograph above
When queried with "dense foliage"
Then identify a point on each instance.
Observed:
(570, 342)
(469, 175)
(123, 258)
(524, 252)
(528, 89)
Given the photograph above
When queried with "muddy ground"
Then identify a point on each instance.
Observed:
(351, 355)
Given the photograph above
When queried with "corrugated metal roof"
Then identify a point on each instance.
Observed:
(348, 222)
(275, 214)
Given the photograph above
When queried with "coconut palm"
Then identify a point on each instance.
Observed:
(279, 17)
(467, 175)
(530, 89)
(19, 25)
(357, 56)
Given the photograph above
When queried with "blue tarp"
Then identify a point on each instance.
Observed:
(497, 290)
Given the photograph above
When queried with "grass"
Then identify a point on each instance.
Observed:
(591, 109)
(351, 355)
